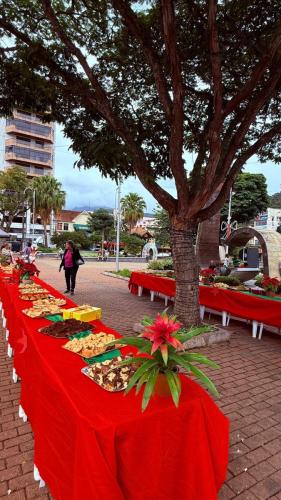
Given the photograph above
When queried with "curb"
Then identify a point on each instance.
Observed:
(112, 275)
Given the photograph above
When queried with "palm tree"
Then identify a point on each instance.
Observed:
(101, 220)
(49, 197)
(133, 207)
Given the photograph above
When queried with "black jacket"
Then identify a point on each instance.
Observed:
(76, 256)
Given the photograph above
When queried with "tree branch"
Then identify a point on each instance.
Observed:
(212, 209)
(143, 36)
(177, 122)
(257, 74)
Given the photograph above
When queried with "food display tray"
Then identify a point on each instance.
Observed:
(85, 371)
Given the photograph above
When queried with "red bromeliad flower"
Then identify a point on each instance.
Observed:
(160, 334)
(270, 283)
(26, 267)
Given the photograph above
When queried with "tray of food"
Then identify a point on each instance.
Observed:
(90, 345)
(63, 329)
(27, 286)
(34, 296)
(42, 311)
(110, 375)
(33, 289)
(48, 301)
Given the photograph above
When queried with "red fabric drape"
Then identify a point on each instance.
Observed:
(236, 303)
(93, 444)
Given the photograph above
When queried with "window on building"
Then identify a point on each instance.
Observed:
(23, 139)
(29, 127)
(29, 154)
(59, 226)
(39, 144)
(65, 226)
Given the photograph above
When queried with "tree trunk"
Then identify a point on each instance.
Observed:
(186, 273)
(45, 234)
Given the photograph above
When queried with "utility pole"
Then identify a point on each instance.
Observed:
(118, 217)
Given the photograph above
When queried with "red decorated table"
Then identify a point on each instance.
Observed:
(239, 304)
(93, 444)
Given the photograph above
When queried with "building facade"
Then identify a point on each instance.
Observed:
(270, 219)
(27, 142)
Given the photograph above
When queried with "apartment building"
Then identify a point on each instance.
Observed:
(28, 143)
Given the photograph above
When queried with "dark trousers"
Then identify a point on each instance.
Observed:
(70, 277)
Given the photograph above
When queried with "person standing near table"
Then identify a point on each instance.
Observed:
(70, 262)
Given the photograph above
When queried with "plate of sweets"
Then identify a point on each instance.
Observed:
(42, 311)
(90, 345)
(48, 301)
(110, 375)
(66, 328)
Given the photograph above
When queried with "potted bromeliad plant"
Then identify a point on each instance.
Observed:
(207, 275)
(161, 354)
(25, 269)
(270, 285)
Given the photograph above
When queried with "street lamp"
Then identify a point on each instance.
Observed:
(33, 211)
(118, 220)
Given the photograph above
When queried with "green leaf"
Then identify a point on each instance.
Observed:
(149, 386)
(199, 358)
(183, 336)
(147, 321)
(164, 352)
(142, 369)
(134, 341)
(204, 379)
(179, 360)
(141, 381)
(129, 361)
(174, 387)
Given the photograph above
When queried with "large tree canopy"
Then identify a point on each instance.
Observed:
(249, 198)
(138, 83)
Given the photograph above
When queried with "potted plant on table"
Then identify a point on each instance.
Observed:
(207, 276)
(161, 353)
(270, 285)
(25, 270)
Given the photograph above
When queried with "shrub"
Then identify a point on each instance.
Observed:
(79, 238)
(43, 249)
(228, 280)
(161, 265)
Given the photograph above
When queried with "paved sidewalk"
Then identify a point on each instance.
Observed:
(249, 382)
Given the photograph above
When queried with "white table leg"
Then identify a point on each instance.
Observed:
(224, 318)
(22, 413)
(166, 298)
(152, 293)
(37, 476)
(260, 330)
(140, 290)
(254, 329)
(202, 312)
(14, 376)
(7, 334)
(9, 351)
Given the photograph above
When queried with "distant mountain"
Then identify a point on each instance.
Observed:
(90, 208)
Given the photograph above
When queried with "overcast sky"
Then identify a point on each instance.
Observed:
(89, 188)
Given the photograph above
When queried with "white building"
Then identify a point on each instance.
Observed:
(270, 219)
(27, 142)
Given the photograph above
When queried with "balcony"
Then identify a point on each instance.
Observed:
(34, 171)
(30, 117)
(16, 142)
(10, 157)
(28, 129)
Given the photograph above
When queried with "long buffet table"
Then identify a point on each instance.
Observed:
(239, 304)
(93, 444)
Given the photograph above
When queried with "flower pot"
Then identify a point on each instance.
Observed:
(161, 387)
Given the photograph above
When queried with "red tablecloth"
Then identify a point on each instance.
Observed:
(93, 444)
(236, 303)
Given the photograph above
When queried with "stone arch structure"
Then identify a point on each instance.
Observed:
(148, 248)
(270, 242)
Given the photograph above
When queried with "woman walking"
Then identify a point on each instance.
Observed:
(70, 262)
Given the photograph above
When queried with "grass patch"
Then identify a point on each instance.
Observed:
(125, 273)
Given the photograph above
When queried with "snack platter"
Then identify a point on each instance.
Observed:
(41, 311)
(90, 345)
(109, 375)
(63, 329)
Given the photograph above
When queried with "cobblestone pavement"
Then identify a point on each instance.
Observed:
(249, 382)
